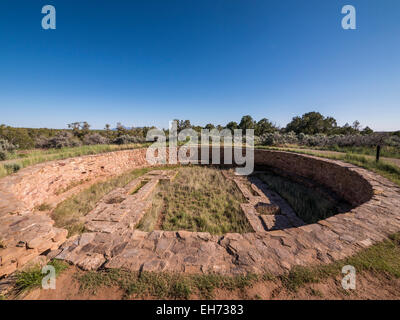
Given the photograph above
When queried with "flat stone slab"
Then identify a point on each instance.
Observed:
(261, 201)
(25, 237)
(276, 222)
(122, 209)
(26, 233)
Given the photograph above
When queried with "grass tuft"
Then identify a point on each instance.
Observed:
(32, 278)
(43, 207)
(163, 285)
(198, 199)
(69, 214)
(308, 203)
(383, 257)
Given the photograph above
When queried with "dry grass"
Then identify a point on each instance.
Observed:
(385, 169)
(32, 278)
(43, 207)
(163, 285)
(309, 204)
(380, 259)
(153, 217)
(199, 199)
(70, 213)
(21, 160)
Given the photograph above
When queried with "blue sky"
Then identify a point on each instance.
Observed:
(147, 62)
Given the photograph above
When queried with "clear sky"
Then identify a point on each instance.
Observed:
(147, 62)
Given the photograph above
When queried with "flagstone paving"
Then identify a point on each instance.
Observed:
(115, 243)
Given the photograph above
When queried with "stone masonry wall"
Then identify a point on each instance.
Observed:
(45, 182)
(346, 183)
(26, 234)
(41, 183)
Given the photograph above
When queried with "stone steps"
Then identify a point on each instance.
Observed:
(27, 237)
(111, 216)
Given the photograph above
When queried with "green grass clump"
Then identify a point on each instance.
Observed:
(32, 278)
(69, 213)
(381, 258)
(43, 207)
(201, 199)
(11, 167)
(163, 285)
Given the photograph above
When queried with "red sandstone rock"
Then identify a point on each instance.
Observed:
(376, 215)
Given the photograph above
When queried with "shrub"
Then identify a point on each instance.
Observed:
(125, 139)
(5, 147)
(338, 140)
(12, 167)
(61, 140)
(94, 138)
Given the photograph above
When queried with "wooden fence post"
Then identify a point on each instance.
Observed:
(378, 152)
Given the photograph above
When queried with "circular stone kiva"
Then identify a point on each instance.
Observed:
(375, 214)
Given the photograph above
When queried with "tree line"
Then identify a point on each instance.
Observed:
(78, 133)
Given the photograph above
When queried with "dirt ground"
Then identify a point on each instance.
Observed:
(368, 287)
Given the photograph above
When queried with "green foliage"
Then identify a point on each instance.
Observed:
(79, 129)
(311, 123)
(232, 125)
(163, 285)
(43, 207)
(69, 213)
(20, 137)
(201, 199)
(383, 257)
(315, 123)
(32, 277)
(5, 148)
(12, 167)
(60, 140)
(247, 122)
(264, 126)
(126, 139)
(367, 130)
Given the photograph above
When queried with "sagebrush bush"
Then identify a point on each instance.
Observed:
(60, 140)
(125, 139)
(94, 138)
(321, 140)
(5, 146)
